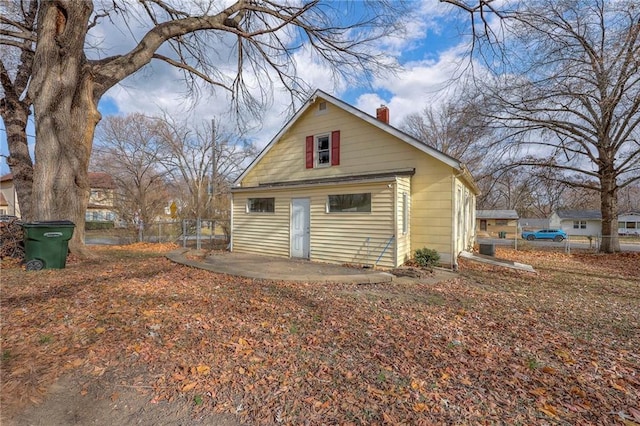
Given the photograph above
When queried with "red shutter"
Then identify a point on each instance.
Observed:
(309, 152)
(335, 148)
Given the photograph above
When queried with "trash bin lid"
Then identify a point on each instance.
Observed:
(49, 224)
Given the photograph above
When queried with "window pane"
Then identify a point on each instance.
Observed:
(350, 203)
(261, 205)
(323, 150)
(502, 222)
(631, 225)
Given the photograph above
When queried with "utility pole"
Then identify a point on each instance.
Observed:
(214, 167)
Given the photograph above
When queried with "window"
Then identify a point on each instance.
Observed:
(261, 205)
(405, 213)
(322, 150)
(322, 106)
(579, 224)
(350, 203)
(502, 222)
(631, 225)
(96, 216)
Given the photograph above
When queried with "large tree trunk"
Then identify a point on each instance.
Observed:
(66, 116)
(15, 120)
(609, 209)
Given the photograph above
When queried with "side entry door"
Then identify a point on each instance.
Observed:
(300, 228)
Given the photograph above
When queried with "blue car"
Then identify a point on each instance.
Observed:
(556, 235)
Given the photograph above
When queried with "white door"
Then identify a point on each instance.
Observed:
(300, 227)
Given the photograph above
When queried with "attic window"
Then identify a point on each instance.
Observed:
(322, 150)
(322, 106)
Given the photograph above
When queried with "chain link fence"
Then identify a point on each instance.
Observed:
(211, 234)
(573, 243)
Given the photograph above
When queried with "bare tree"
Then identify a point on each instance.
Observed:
(455, 128)
(16, 59)
(507, 189)
(568, 97)
(65, 85)
(203, 161)
(129, 149)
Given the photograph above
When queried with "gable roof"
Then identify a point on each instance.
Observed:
(448, 160)
(580, 214)
(496, 214)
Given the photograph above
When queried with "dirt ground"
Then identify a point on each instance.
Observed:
(72, 400)
(134, 339)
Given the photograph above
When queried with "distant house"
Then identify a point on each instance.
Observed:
(629, 224)
(8, 197)
(101, 199)
(490, 223)
(577, 222)
(339, 185)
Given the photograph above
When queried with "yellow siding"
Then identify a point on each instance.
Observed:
(367, 149)
(269, 230)
(357, 238)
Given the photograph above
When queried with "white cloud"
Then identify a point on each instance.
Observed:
(420, 83)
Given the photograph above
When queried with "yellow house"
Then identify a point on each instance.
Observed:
(493, 223)
(8, 197)
(338, 185)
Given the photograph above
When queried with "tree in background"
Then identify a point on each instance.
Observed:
(62, 78)
(566, 91)
(202, 162)
(129, 149)
(455, 128)
(16, 60)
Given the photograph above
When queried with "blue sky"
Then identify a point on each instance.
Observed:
(427, 56)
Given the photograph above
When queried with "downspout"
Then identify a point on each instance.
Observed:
(394, 188)
(231, 225)
(453, 262)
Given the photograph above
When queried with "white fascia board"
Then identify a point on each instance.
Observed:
(450, 161)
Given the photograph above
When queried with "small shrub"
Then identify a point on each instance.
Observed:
(427, 258)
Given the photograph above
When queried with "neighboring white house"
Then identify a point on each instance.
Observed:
(577, 222)
(629, 224)
(338, 185)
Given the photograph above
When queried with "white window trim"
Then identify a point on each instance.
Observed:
(316, 151)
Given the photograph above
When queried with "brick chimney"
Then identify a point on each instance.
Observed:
(382, 114)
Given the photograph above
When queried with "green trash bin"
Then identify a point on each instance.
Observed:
(46, 244)
(502, 234)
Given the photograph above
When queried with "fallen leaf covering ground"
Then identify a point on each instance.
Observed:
(492, 346)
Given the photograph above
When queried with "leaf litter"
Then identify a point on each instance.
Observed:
(489, 346)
